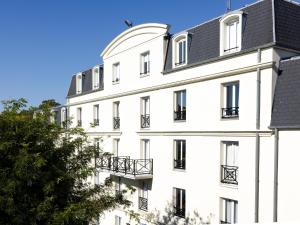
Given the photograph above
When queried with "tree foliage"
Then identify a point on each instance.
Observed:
(44, 171)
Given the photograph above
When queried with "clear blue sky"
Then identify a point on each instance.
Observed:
(44, 42)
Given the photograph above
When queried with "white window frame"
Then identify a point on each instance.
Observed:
(79, 81)
(182, 198)
(145, 149)
(182, 100)
(235, 16)
(96, 114)
(145, 105)
(229, 154)
(145, 58)
(63, 115)
(180, 38)
(79, 115)
(96, 77)
(228, 210)
(235, 97)
(118, 220)
(116, 146)
(182, 143)
(116, 73)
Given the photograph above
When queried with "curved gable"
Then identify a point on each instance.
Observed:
(133, 37)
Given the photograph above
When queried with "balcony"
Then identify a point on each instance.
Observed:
(145, 121)
(229, 174)
(180, 115)
(179, 164)
(143, 204)
(232, 112)
(116, 123)
(126, 167)
(180, 212)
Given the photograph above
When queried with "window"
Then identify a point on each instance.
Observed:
(79, 116)
(145, 112)
(145, 150)
(179, 202)
(97, 146)
(145, 64)
(96, 78)
(96, 115)
(231, 33)
(230, 100)
(180, 105)
(116, 115)
(143, 196)
(228, 214)
(118, 220)
(229, 162)
(116, 73)
(180, 50)
(79, 83)
(116, 142)
(64, 117)
(179, 154)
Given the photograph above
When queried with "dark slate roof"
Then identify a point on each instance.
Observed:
(204, 40)
(286, 103)
(287, 24)
(86, 83)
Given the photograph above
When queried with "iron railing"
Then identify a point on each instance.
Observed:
(125, 165)
(179, 212)
(116, 122)
(180, 115)
(229, 174)
(230, 112)
(145, 121)
(79, 123)
(224, 222)
(179, 163)
(143, 203)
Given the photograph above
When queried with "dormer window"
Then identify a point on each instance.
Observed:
(116, 73)
(145, 64)
(231, 33)
(78, 83)
(96, 78)
(180, 50)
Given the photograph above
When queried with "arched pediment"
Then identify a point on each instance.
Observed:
(133, 37)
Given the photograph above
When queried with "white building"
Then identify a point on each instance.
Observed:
(188, 117)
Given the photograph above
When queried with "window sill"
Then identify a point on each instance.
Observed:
(179, 121)
(232, 186)
(179, 170)
(229, 118)
(115, 82)
(179, 65)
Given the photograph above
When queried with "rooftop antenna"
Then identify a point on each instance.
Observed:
(128, 23)
(228, 5)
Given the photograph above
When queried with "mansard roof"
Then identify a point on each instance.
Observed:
(87, 83)
(265, 23)
(286, 103)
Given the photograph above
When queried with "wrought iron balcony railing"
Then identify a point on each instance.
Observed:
(180, 115)
(79, 123)
(179, 212)
(145, 121)
(143, 203)
(179, 164)
(116, 122)
(125, 165)
(230, 112)
(229, 174)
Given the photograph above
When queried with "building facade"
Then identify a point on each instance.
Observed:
(203, 123)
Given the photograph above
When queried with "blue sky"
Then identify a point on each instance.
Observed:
(44, 42)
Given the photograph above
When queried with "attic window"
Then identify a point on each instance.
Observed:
(78, 83)
(95, 78)
(180, 50)
(231, 33)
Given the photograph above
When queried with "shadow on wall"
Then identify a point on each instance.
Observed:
(167, 217)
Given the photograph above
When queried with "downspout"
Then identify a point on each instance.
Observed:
(275, 192)
(257, 138)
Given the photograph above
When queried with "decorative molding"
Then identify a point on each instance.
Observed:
(228, 73)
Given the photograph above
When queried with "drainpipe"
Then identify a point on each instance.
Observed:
(275, 192)
(257, 138)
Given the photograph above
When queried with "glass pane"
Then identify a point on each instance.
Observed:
(237, 93)
(229, 96)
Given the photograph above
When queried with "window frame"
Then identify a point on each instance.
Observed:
(143, 55)
(116, 115)
(116, 73)
(96, 78)
(182, 153)
(177, 40)
(181, 203)
(224, 21)
(96, 115)
(182, 114)
(79, 116)
(79, 83)
(223, 211)
(230, 111)
(145, 112)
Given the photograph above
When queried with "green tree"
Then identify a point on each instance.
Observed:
(44, 171)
